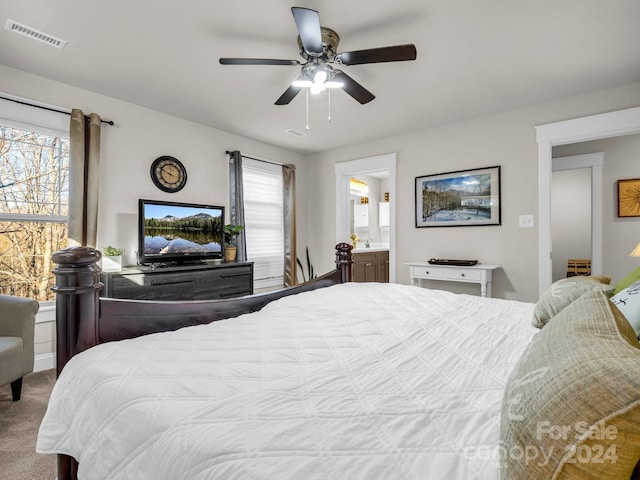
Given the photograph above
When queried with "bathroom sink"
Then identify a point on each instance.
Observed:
(373, 247)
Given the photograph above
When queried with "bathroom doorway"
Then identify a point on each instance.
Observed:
(382, 166)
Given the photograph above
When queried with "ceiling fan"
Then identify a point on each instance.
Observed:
(318, 47)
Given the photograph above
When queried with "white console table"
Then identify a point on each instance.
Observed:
(481, 274)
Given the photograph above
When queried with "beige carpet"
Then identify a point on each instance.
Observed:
(19, 423)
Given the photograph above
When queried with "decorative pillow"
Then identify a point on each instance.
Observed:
(628, 302)
(633, 277)
(561, 293)
(571, 409)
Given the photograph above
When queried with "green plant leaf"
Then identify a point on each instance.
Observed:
(301, 269)
(110, 251)
(231, 231)
(312, 274)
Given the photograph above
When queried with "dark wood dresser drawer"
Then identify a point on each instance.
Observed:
(180, 282)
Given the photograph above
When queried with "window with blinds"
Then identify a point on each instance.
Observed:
(264, 222)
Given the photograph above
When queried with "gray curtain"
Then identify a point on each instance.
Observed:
(84, 169)
(236, 202)
(290, 254)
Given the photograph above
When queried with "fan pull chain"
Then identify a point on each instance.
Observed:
(329, 104)
(307, 89)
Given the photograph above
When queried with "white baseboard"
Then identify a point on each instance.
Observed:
(45, 361)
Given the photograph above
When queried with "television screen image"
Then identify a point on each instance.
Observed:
(180, 232)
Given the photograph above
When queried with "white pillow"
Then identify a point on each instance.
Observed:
(628, 302)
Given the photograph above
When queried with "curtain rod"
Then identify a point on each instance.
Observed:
(257, 159)
(108, 122)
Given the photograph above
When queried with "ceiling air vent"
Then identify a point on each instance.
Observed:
(294, 132)
(34, 34)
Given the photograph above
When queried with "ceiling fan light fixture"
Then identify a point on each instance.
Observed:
(316, 88)
(318, 46)
(333, 84)
(320, 76)
(301, 83)
(305, 78)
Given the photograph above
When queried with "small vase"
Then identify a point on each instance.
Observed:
(111, 264)
(230, 254)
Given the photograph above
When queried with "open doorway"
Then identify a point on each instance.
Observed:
(594, 127)
(383, 167)
(576, 214)
(369, 209)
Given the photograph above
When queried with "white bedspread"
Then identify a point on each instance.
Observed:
(354, 381)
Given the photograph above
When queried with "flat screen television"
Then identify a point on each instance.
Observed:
(172, 232)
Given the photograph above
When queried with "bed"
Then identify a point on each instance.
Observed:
(329, 380)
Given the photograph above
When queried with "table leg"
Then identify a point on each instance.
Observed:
(485, 289)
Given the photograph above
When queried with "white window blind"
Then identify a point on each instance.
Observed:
(264, 223)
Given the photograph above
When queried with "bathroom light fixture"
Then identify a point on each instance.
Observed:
(358, 187)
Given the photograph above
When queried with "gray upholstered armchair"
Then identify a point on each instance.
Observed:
(17, 326)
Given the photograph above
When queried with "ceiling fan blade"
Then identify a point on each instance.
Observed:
(397, 53)
(308, 24)
(353, 88)
(257, 61)
(288, 95)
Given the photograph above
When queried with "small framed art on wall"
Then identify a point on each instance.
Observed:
(629, 197)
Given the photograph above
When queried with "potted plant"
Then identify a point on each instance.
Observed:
(230, 248)
(112, 259)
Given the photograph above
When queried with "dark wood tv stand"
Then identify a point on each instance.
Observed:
(206, 281)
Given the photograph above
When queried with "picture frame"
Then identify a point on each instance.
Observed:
(459, 199)
(629, 197)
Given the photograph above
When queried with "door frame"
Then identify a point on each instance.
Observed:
(344, 171)
(594, 127)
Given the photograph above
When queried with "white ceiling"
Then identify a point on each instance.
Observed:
(475, 57)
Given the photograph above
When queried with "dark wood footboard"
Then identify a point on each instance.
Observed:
(84, 320)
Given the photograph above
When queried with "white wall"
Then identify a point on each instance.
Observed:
(570, 218)
(506, 139)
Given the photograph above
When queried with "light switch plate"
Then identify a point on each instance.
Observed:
(525, 221)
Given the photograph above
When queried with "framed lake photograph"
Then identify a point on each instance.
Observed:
(463, 198)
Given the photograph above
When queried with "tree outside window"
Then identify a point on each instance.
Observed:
(33, 210)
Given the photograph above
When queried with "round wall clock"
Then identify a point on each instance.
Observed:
(168, 174)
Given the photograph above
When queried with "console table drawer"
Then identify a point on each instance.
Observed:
(463, 275)
(434, 273)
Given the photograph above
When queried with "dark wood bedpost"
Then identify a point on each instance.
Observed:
(344, 261)
(77, 291)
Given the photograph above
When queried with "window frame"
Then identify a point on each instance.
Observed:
(25, 114)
